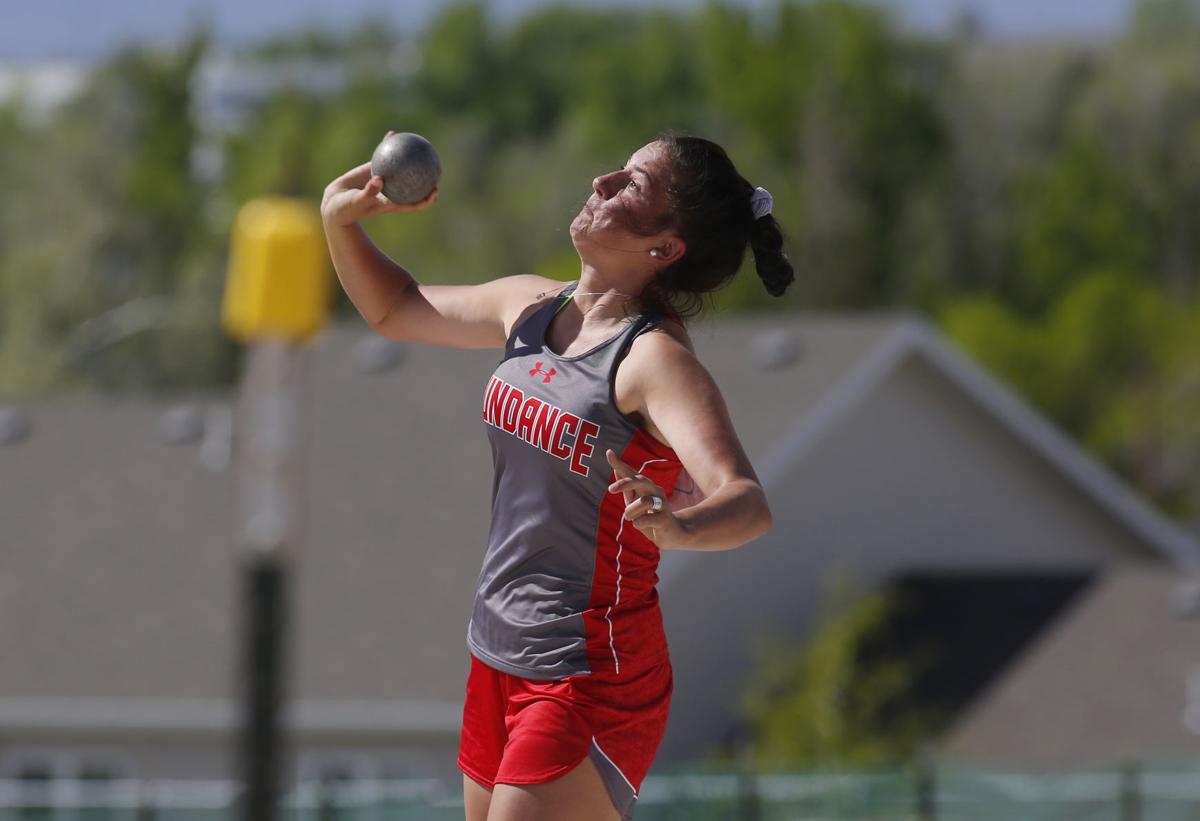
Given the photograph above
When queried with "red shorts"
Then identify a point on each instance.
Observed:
(523, 731)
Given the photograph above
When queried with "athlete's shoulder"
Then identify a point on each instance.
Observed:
(669, 336)
(531, 287)
(665, 349)
(525, 294)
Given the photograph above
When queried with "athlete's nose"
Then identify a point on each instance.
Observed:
(607, 185)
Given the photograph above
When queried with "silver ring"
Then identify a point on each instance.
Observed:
(656, 504)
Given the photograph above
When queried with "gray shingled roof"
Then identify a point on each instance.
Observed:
(1108, 681)
(119, 573)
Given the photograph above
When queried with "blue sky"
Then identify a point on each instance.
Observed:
(91, 28)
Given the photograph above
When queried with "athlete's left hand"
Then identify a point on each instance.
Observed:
(662, 526)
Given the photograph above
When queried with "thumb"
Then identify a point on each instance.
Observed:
(369, 191)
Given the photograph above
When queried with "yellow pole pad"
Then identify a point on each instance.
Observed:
(279, 282)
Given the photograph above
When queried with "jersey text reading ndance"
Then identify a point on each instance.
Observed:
(539, 423)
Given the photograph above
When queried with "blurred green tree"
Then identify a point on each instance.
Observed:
(1042, 199)
(830, 96)
(828, 701)
(1114, 363)
(1059, 243)
(460, 68)
(111, 228)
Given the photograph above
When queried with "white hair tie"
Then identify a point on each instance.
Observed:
(761, 202)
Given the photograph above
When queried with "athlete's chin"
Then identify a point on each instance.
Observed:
(586, 230)
(586, 242)
(582, 222)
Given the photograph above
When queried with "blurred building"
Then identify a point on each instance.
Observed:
(42, 85)
(1115, 677)
(893, 459)
(228, 90)
(884, 452)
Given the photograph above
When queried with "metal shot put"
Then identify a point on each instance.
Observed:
(409, 165)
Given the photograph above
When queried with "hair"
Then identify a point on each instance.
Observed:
(710, 211)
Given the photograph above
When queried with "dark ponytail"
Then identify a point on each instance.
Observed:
(774, 269)
(710, 210)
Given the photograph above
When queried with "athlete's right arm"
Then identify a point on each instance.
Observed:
(391, 300)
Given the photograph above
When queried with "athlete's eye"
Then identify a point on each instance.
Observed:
(633, 184)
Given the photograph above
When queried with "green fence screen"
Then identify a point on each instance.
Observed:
(1141, 791)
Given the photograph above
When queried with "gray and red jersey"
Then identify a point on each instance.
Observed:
(568, 586)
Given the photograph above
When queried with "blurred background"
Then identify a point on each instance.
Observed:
(980, 400)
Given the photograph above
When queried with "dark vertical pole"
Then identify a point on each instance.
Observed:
(270, 468)
(263, 666)
(145, 805)
(1131, 797)
(276, 297)
(926, 784)
(326, 804)
(749, 801)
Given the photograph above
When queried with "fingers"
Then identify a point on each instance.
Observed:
(356, 177)
(429, 200)
(639, 492)
(347, 207)
(643, 507)
(620, 468)
(386, 206)
(370, 198)
(372, 188)
(637, 484)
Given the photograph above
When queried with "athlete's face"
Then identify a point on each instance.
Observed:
(628, 208)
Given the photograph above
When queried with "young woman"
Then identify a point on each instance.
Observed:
(610, 442)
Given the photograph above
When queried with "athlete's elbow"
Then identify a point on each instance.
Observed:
(760, 521)
(767, 519)
(763, 520)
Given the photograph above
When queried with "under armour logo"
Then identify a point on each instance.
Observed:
(537, 371)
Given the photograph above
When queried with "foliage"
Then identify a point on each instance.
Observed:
(1116, 363)
(830, 701)
(103, 260)
(1040, 199)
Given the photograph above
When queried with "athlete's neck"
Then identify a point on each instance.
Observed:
(602, 295)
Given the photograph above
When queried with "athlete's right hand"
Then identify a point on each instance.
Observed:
(357, 195)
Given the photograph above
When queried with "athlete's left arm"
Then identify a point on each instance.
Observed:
(683, 406)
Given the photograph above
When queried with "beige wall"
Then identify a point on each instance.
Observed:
(916, 475)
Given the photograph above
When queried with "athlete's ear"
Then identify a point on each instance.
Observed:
(668, 251)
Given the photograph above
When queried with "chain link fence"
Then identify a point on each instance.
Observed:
(1141, 791)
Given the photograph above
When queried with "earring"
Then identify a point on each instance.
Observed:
(654, 252)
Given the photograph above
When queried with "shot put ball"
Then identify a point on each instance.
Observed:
(409, 166)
